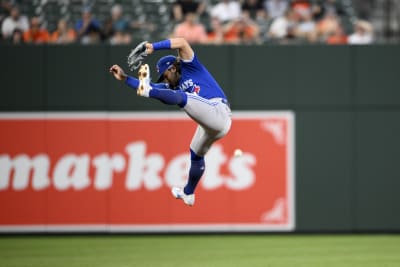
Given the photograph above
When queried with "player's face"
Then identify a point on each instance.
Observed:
(171, 77)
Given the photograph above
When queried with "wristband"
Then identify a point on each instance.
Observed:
(164, 44)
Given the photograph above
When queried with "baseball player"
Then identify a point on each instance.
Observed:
(185, 82)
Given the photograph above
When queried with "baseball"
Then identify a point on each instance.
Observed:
(238, 152)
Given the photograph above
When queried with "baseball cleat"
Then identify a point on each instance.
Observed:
(179, 194)
(144, 81)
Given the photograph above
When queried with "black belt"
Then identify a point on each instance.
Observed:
(223, 100)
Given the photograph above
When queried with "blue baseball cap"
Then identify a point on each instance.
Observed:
(163, 64)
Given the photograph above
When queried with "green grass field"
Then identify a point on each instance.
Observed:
(201, 250)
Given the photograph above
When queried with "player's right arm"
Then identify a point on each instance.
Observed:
(185, 51)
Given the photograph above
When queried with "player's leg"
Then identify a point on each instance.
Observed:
(168, 96)
(202, 140)
(201, 143)
(156, 90)
(199, 146)
(197, 168)
(213, 115)
(214, 120)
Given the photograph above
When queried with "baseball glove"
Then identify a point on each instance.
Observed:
(136, 56)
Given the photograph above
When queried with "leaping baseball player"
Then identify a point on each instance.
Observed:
(185, 82)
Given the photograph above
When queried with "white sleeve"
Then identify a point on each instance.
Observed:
(24, 23)
(7, 28)
(188, 60)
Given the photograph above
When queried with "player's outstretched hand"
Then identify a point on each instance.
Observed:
(118, 72)
(149, 48)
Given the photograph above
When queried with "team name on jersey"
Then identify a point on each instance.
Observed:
(189, 85)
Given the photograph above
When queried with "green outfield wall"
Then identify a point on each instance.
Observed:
(346, 101)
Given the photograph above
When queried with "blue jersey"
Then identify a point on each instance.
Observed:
(195, 78)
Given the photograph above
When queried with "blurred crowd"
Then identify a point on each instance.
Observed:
(200, 22)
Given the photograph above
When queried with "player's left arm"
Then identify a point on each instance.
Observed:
(185, 51)
(133, 82)
(159, 90)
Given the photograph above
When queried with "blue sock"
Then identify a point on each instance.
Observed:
(197, 168)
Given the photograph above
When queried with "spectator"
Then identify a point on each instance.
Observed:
(300, 4)
(5, 10)
(14, 21)
(333, 6)
(216, 33)
(119, 34)
(36, 34)
(117, 27)
(88, 28)
(282, 27)
(363, 33)
(63, 34)
(6, 6)
(327, 26)
(190, 29)
(254, 9)
(276, 8)
(301, 7)
(306, 28)
(120, 38)
(242, 30)
(118, 21)
(181, 7)
(318, 10)
(107, 30)
(17, 37)
(337, 37)
(142, 25)
(226, 10)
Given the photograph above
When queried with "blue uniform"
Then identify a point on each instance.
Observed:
(196, 79)
(203, 100)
